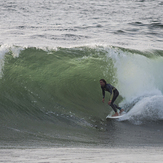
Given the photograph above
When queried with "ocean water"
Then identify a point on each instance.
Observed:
(52, 23)
(52, 56)
(80, 155)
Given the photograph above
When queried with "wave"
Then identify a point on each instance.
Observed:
(61, 85)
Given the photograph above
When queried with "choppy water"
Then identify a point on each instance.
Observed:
(52, 56)
(136, 24)
(74, 155)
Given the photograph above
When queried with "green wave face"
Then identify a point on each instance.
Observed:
(56, 92)
(40, 80)
(69, 77)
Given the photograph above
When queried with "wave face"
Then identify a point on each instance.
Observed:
(52, 94)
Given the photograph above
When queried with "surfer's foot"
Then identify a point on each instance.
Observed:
(116, 114)
(121, 111)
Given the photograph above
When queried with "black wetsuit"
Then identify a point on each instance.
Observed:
(114, 94)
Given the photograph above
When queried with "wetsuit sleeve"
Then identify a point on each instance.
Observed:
(103, 92)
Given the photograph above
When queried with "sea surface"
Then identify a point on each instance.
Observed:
(53, 54)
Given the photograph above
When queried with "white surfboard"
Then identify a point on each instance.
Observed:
(115, 117)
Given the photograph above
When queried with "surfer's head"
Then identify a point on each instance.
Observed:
(102, 82)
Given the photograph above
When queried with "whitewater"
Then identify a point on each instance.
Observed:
(52, 56)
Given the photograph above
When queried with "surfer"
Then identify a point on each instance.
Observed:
(114, 94)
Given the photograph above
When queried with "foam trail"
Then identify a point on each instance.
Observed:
(149, 109)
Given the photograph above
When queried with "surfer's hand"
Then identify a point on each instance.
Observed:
(103, 100)
(109, 102)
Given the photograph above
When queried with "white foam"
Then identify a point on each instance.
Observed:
(15, 51)
(148, 108)
(140, 84)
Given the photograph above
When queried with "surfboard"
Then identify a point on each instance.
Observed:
(115, 117)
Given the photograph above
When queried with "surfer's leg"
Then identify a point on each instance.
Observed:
(116, 94)
(113, 107)
(117, 106)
